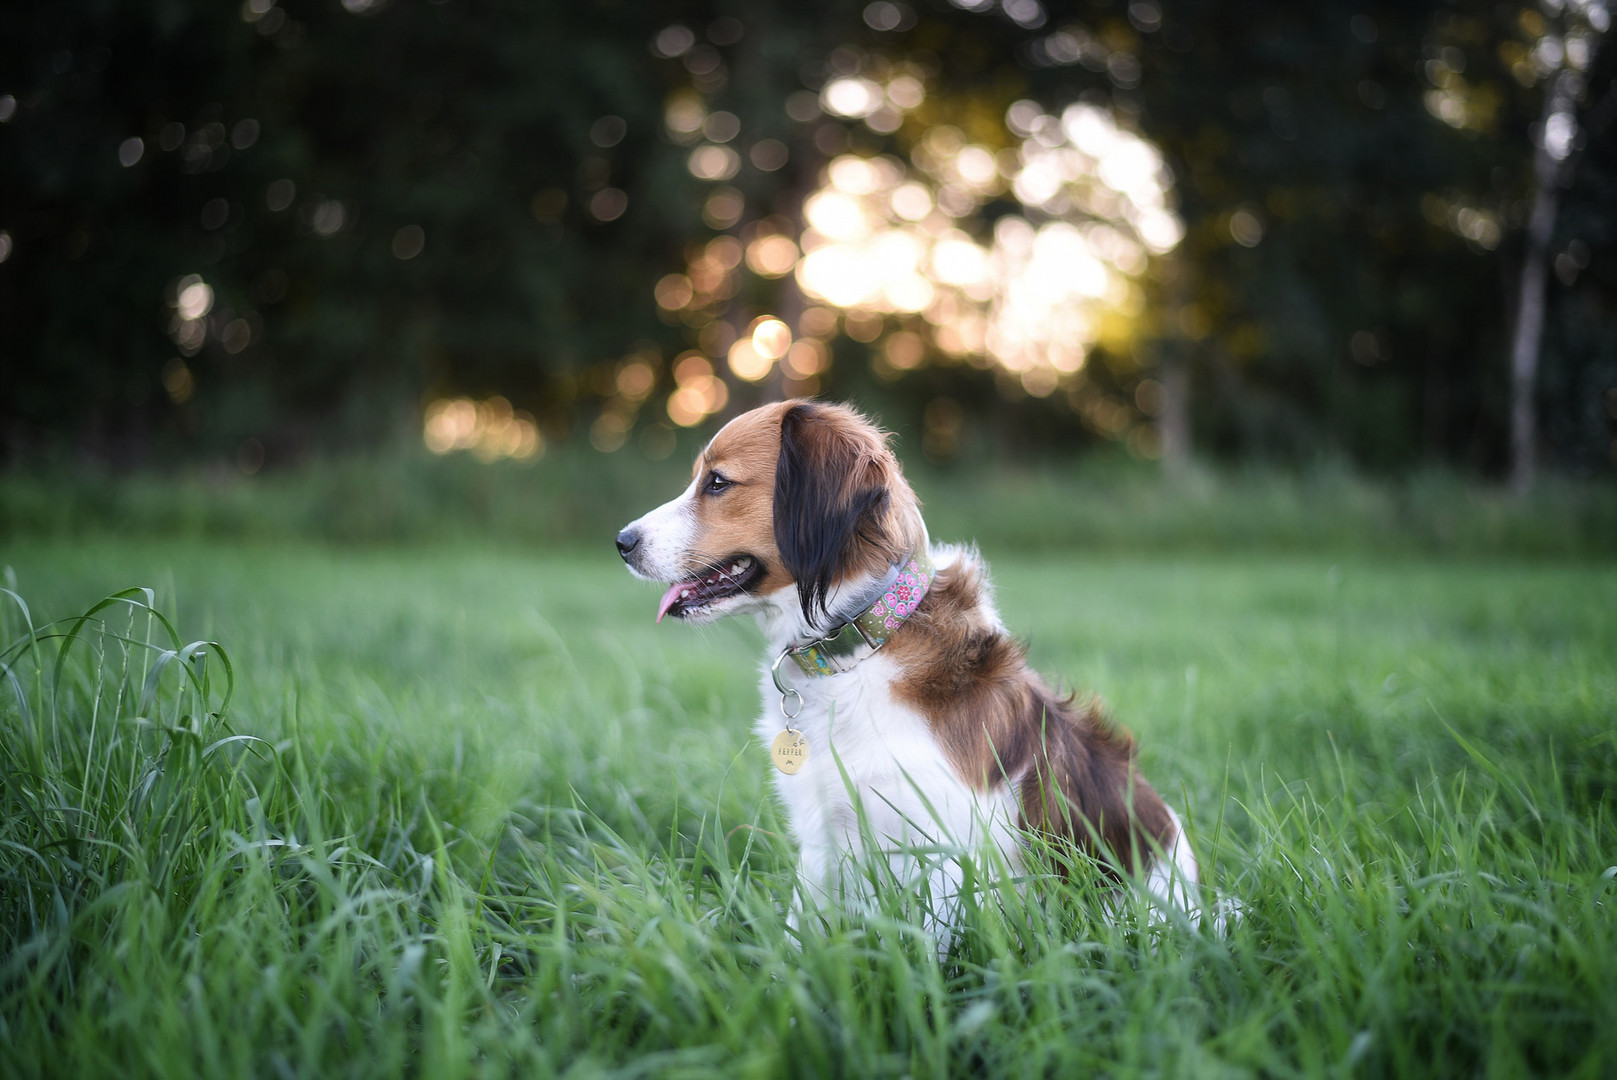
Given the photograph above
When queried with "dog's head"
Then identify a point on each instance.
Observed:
(792, 506)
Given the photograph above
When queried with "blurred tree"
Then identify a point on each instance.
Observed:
(1351, 175)
(375, 202)
(1559, 53)
(294, 224)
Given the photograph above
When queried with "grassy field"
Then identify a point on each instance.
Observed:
(574, 495)
(492, 821)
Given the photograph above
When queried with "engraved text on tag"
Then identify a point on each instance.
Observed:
(790, 749)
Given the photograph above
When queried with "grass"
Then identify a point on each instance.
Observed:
(576, 496)
(467, 812)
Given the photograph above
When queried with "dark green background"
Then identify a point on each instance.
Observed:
(453, 115)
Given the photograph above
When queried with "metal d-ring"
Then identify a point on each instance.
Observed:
(786, 692)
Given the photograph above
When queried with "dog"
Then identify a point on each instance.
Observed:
(908, 720)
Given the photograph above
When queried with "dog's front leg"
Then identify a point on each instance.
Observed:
(820, 888)
(941, 902)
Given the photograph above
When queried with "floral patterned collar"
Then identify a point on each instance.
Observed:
(841, 649)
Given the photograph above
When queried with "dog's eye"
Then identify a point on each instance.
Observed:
(716, 483)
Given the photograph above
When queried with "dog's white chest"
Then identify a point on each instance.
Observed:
(869, 753)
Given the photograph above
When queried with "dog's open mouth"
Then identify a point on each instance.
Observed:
(730, 578)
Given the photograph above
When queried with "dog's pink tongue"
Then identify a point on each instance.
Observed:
(672, 595)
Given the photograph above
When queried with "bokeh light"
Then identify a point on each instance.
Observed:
(408, 242)
(699, 394)
(192, 300)
(491, 429)
(904, 253)
(328, 217)
(673, 292)
(1037, 289)
(608, 204)
(178, 381)
(747, 362)
(901, 246)
(723, 208)
(195, 298)
(772, 256)
(771, 337)
(851, 96)
(806, 359)
(713, 162)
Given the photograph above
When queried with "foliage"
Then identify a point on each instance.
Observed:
(500, 824)
(418, 115)
(396, 202)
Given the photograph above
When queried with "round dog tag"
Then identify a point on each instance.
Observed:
(790, 749)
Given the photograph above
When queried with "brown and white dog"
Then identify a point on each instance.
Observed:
(925, 720)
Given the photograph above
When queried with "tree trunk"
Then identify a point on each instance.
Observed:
(1175, 422)
(1524, 346)
(1174, 351)
(1548, 165)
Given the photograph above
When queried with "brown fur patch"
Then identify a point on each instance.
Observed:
(740, 519)
(1001, 723)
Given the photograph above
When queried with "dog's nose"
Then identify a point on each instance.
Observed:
(628, 540)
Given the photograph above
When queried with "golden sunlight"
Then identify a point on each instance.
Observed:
(1034, 290)
(490, 429)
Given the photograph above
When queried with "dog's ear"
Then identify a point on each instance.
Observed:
(831, 498)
